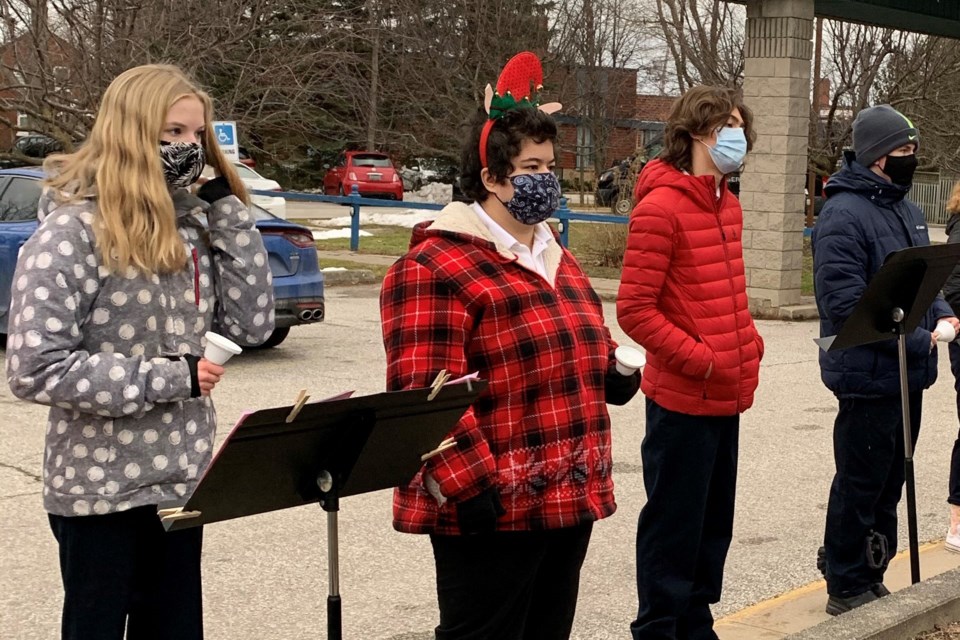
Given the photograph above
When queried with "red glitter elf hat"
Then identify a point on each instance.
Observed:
(518, 87)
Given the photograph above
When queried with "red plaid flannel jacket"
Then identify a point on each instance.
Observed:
(540, 433)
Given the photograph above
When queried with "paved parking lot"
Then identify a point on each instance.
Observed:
(266, 576)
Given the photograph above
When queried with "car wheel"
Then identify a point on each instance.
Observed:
(622, 207)
(278, 336)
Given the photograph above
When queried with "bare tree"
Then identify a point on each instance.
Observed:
(855, 55)
(704, 39)
(272, 65)
(597, 47)
(923, 81)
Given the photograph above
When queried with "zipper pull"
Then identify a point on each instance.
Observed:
(196, 276)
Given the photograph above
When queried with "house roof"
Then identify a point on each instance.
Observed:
(933, 17)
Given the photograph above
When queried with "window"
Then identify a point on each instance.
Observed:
(23, 125)
(246, 173)
(584, 147)
(19, 201)
(370, 160)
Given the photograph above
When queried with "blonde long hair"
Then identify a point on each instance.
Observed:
(953, 204)
(119, 164)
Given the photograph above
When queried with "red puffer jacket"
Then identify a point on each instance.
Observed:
(683, 295)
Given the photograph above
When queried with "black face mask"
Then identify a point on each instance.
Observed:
(901, 169)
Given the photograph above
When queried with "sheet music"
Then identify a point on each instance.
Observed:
(470, 376)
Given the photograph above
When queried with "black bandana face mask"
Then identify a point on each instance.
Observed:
(182, 162)
(901, 169)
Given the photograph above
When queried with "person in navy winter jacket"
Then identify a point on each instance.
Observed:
(865, 218)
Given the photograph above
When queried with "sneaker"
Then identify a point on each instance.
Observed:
(952, 543)
(879, 590)
(837, 605)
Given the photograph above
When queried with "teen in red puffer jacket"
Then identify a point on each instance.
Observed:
(683, 297)
(683, 294)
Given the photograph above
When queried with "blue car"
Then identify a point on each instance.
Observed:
(297, 279)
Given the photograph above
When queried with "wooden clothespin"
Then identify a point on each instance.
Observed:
(301, 400)
(438, 383)
(177, 513)
(449, 443)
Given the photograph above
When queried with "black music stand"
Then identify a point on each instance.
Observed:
(321, 452)
(896, 300)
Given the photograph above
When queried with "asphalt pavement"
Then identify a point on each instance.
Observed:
(266, 576)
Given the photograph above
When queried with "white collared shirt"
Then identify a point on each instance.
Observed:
(532, 260)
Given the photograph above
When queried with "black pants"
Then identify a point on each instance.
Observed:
(509, 585)
(685, 528)
(861, 531)
(121, 570)
(954, 497)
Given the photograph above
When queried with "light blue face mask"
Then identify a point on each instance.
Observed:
(729, 151)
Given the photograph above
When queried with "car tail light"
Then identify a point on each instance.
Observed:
(396, 177)
(298, 238)
(352, 176)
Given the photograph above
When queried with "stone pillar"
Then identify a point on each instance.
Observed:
(778, 51)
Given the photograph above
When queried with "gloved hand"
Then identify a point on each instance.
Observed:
(618, 388)
(479, 514)
(213, 190)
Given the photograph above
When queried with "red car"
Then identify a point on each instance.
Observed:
(372, 172)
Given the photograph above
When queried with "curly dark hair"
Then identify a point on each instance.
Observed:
(503, 145)
(697, 112)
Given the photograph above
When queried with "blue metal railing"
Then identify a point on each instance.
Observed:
(564, 215)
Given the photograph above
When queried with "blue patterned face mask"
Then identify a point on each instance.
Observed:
(536, 196)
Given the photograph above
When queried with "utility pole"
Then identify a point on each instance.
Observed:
(374, 13)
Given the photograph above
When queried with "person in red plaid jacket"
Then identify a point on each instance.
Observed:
(487, 288)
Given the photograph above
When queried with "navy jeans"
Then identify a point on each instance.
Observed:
(868, 452)
(123, 571)
(685, 528)
(954, 497)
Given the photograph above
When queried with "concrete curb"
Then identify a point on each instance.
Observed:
(900, 616)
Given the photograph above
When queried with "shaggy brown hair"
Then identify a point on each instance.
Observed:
(697, 113)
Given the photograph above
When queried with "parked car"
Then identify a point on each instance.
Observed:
(373, 174)
(291, 253)
(37, 145)
(414, 176)
(246, 158)
(253, 180)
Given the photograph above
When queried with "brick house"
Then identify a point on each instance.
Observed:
(626, 121)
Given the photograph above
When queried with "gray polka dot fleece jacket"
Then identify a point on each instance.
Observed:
(105, 351)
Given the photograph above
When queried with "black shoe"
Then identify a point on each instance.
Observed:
(837, 605)
(879, 590)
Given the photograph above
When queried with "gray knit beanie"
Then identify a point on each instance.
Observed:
(879, 130)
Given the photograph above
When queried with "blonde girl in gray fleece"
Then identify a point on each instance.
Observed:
(110, 302)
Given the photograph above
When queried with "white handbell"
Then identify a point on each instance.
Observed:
(945, 331)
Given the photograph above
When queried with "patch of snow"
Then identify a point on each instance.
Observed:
(330, 234)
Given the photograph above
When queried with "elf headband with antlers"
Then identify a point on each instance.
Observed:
(518, 87)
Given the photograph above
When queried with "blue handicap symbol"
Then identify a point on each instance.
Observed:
(224, 133)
